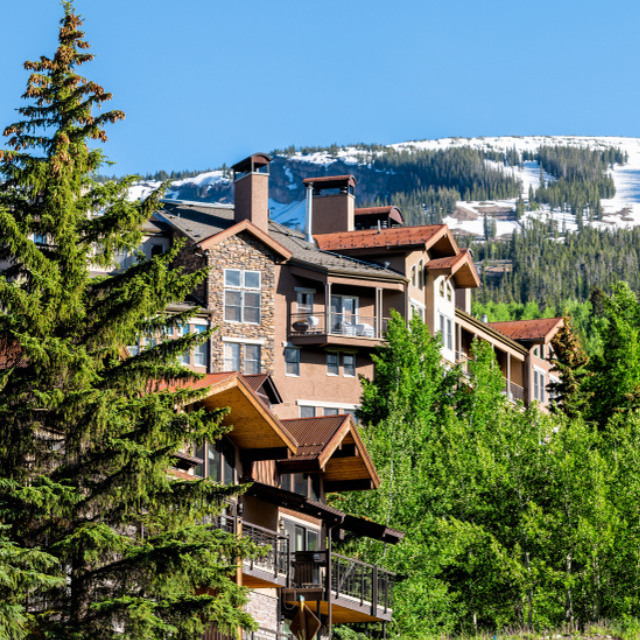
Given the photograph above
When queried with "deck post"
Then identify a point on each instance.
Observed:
(374, 591)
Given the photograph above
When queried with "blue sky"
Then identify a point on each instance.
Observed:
(205, 82)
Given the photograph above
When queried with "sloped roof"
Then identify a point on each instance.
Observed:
(372, 238)
(461, 266)
(528, 330)
(196, 220)
(309, 253)
(318, 440)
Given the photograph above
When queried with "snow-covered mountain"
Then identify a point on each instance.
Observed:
(287, 205)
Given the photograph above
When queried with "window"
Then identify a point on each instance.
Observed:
(442, 327)
(292, 361)
(539, 385)
(344, 315)
(232, 356)
(449, 291)
(156, 250)
(242, 296)
(348, 361)
(185, 358)
(200, 353)
(40, 238)
(349, 365)
(241, 357)
(304, 484)
(333, 364)
(417, 308)
(449, 334)
(442, 288)
(330, 411)
(219, 461)
(304, 301)
(301, 538)
(420, 275)
(251, 359)
(307, 412)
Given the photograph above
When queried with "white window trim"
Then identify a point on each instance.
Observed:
(417, 304)
(243, 340)
(305, 523)
(327, 405)
(202, 322)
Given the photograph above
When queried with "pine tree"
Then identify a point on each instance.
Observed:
(107, 542)
(570, 360)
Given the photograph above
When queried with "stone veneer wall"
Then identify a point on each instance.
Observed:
(242, 251)
(263, 607)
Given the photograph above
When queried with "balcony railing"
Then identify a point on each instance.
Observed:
(277, 559)
(516, 392)
(365, 584)
(265, 634)
(340, 324)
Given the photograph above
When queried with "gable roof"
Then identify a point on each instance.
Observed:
(253, 425)
(319, 439)
(208, 224)
(426, 235)
(529, 330)
(461, 267)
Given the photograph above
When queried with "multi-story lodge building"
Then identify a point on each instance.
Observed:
(309, 307)
(298, 314)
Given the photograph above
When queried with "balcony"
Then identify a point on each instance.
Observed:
(336, 328)
(516, 392)
(270, 570)
(360, 592)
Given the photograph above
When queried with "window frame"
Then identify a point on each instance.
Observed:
(296, 362)
(242, 290)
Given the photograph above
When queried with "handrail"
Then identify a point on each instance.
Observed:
(353, 325)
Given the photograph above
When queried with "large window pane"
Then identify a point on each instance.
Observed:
(300, 484)
(200, 354)
(349, 365)
(252, 279)
(252, 307)
(231, 356)
(233, 306)
(251, 359)
(333, 364)
(292, 360)
(213, 468)
(307, 412)
(232, 278)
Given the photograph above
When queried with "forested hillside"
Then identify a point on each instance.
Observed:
(542, 215)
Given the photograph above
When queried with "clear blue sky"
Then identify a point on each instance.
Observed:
(205, 82)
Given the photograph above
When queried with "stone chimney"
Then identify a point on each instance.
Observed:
(251, 190)
(330, 204)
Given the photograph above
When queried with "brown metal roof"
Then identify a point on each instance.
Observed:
(318, 440)
(313, 434)
(372, 238)
(528, 329)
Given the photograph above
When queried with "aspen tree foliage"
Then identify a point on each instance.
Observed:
(513, 516)
(96, 538)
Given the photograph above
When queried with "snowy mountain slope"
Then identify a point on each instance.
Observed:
(288, 208)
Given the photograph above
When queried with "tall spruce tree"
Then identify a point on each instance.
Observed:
(96, 538)
(570, 361)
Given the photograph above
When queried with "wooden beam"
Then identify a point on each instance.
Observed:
(348, 485)
(271, 453)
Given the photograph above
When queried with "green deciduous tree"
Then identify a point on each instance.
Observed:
(96, 540)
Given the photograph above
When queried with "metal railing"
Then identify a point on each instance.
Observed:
(516, 392)
(265, 634)
(341, 324)
(367, 584)
(277, 559)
